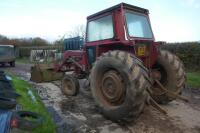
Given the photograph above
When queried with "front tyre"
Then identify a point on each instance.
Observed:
(70, 85)
(118, 84)
(169, 70)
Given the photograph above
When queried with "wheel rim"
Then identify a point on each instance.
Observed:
(112, 88)
(68, 86)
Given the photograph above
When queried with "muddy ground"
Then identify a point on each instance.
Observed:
(80, 114)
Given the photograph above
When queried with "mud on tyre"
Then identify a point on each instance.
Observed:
(172, 76)
(70, 85)
(118, 84)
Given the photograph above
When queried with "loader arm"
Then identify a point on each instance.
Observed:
(72, 61)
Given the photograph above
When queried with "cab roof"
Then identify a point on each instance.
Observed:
(121, 5)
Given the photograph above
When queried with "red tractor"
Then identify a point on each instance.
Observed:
(123, 63)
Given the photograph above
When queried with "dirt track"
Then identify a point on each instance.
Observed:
(80, 114)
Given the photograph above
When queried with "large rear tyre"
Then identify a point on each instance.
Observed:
(169, 70)
(118, 84)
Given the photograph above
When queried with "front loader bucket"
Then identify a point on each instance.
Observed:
(42, 73)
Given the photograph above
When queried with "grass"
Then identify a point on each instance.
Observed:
(193, 79)
(28, 105)
(24, 60)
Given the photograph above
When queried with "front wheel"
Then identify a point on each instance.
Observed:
(169, 70)
(70, 86)
(118, 84)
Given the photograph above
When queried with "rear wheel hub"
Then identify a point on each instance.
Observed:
(156, 74)
(159, 74)
(112, 87)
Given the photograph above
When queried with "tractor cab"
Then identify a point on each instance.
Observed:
(119, 23)
(121, 27)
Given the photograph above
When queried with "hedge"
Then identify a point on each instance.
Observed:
(188, 52)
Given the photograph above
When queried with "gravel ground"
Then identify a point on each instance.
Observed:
(80, 114)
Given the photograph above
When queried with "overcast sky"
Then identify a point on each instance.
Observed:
(172, 20)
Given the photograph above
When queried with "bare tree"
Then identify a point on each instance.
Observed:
(78, 30)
